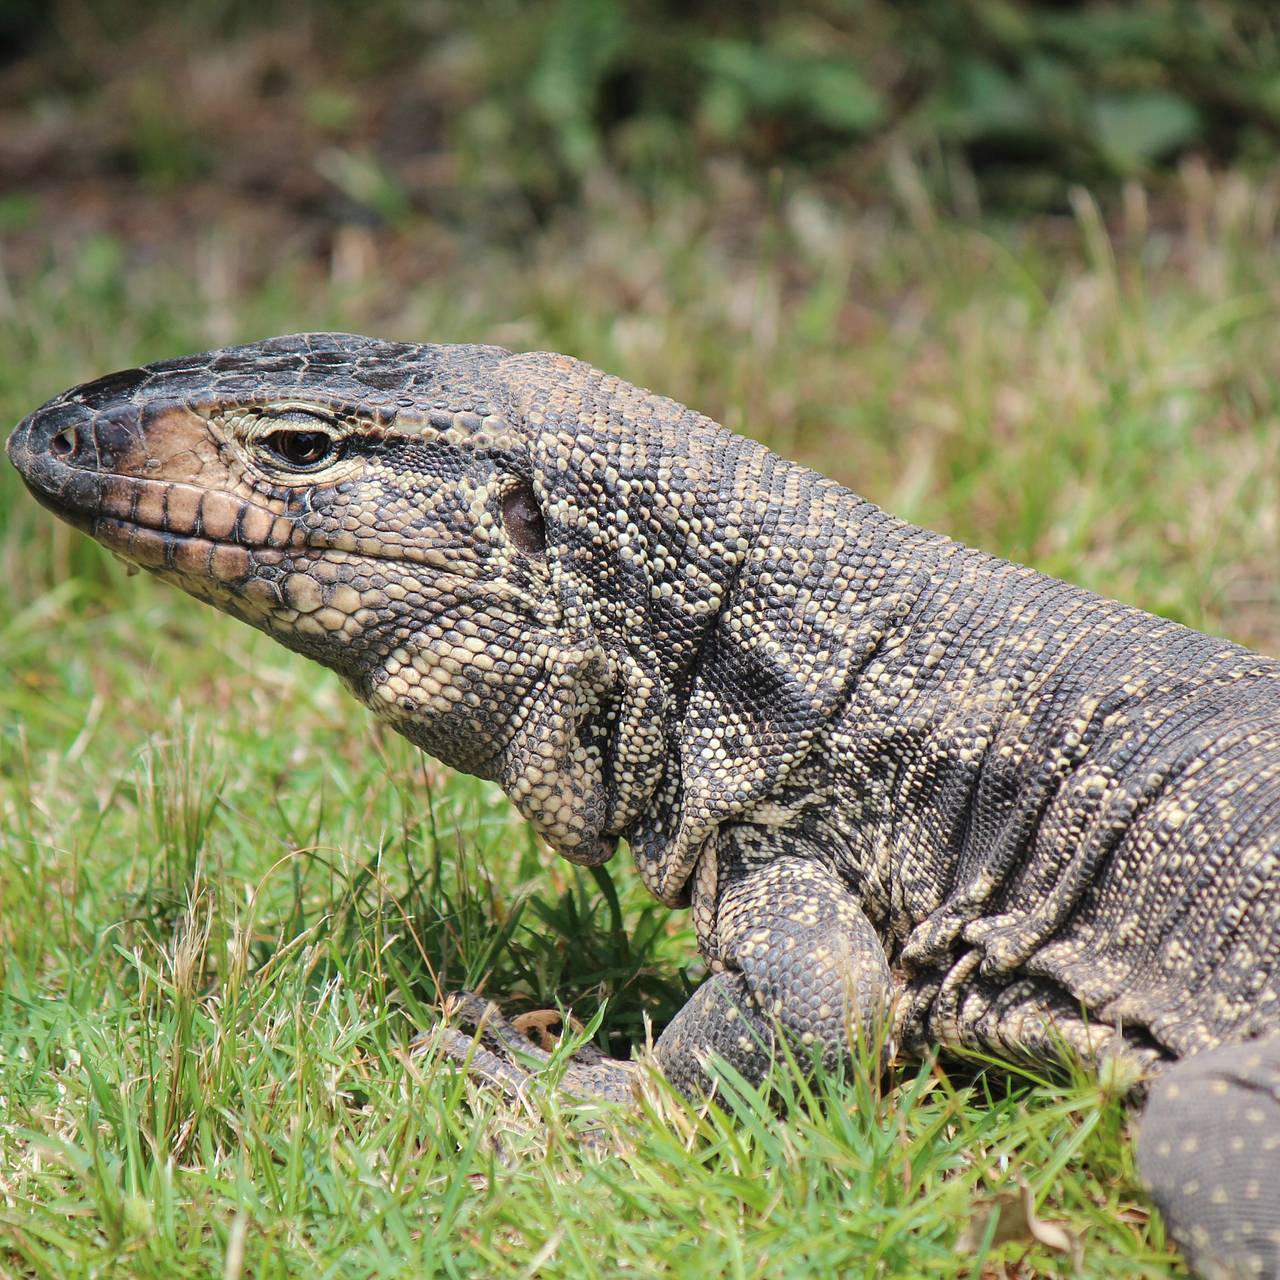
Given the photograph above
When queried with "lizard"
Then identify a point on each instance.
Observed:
(893, 777)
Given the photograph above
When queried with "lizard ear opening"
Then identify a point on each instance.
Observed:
(522, 519)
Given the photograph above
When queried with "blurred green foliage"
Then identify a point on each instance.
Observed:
(1016, 99)
(1029, 97)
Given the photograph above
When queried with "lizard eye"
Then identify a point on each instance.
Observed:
(301, 446)
(523, 521)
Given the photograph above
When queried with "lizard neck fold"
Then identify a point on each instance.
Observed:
(737, 594)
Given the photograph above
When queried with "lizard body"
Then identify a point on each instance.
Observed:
(890, 774)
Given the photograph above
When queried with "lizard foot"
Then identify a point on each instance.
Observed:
(502, 1052)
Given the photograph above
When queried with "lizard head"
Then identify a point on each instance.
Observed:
(374, 506)
(537, 572)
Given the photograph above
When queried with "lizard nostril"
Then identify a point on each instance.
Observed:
(63, 445)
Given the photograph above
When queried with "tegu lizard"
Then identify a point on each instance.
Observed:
(893, 777)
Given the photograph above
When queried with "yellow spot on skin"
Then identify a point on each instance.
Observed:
(302, 592)
(331, 619)
(344, 598)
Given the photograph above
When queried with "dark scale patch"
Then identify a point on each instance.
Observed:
(387, 377)
(235, 388)
(105, 392)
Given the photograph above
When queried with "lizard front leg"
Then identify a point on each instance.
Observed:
(794, 954)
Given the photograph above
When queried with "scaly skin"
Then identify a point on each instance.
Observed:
(890, 774)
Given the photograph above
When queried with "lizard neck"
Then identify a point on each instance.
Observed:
(825, 581)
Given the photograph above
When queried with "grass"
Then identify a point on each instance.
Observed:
(229, 900)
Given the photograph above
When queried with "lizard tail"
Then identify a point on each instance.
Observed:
(1210, 1152)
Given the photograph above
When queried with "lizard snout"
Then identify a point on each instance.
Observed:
(50, 449)
(69, 454)
(55, 433)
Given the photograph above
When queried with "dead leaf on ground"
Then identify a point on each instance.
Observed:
(1017, 1221)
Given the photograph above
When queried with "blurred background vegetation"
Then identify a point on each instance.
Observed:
(504, 108)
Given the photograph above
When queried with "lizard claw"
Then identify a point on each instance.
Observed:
(545, 1027)
(501, 1052)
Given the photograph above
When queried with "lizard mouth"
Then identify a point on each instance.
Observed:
(149, 521)
(153, 523)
